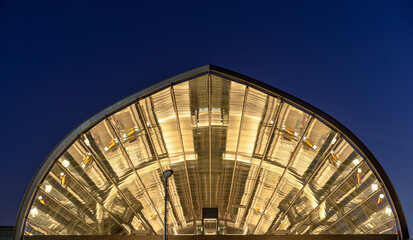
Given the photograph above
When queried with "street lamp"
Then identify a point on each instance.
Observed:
(166, 174)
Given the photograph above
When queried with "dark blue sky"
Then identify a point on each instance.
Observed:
(61, 62)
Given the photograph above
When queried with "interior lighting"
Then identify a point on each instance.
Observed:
(314, 147)
(34, 212)
(356, 161)
(374, 187)
(63, 179)
(41, 200)
(65, 163)
(272, 122)
(388, 211)
(359, 175)
(48, 188)
(106, 149)
(381, 196)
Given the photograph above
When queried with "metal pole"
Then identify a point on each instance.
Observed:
(166, 174)
(165, 227)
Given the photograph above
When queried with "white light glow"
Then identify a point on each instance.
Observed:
(381, 195)
(356, 161)
(314, 147)
(388, 211)
(334, 141)
(359, 170)
(65, 163)
(40, 197)
(106, 149)
(34, 212)
(374, 187)
(48, 188)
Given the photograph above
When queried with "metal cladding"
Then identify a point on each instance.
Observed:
(268, 161)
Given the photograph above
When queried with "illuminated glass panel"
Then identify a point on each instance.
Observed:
(266, 164)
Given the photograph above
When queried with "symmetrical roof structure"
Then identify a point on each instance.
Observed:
(267, 160)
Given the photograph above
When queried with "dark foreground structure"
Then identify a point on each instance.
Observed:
(248, 159)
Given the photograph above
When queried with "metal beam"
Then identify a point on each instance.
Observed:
(380, 225)
(351, 210)
(87, 192)
(331, 193)
(224, 237)
(266, 148)
(183, 151)
(113, 183)
(44, 228)
(144, 120)
(236, 153)
(293, 155)
(305, 184)
(126, 155)
(70, 212)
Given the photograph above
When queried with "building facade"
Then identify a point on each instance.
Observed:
(263, 161)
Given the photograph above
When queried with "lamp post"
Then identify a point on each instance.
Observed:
(166, 174)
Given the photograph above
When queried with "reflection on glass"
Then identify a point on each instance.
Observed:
(265, 164)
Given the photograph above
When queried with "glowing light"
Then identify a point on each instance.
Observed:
(356, 161)
(65, 163)
(87, 142)
(41, 200)
(48, 188)
(359, 170)
(34, 212)
(374, 187)
(388, 211)
(314, 147)
(106, 149)
(333, 141)
(272, 122)
(381, 195)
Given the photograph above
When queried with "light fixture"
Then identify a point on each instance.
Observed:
(65, 163)
(388, 211)
(34, 212)
(41, 200)
(48, 188)
(356, 161)
(374, 187)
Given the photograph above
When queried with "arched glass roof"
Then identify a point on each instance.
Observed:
(268, 161)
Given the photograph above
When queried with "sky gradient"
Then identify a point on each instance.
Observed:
(62, 62)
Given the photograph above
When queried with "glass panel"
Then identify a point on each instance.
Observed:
(48, 214)
(290, 127)
(340, 162)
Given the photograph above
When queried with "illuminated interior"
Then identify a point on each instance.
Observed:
(268, 164)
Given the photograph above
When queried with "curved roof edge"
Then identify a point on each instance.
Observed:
(72, 136)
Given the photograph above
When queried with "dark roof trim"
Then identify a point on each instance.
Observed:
(72, 136)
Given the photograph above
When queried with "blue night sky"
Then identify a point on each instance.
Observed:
(63, 61)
